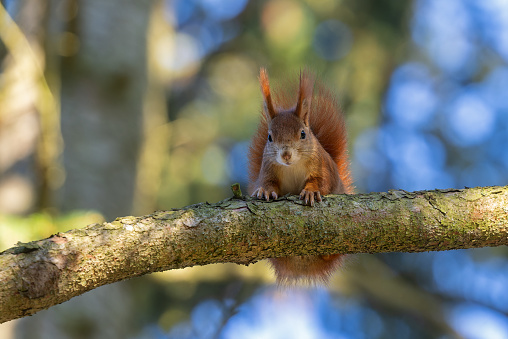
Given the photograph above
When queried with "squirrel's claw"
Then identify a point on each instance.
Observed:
(309, 197)
(261, 193)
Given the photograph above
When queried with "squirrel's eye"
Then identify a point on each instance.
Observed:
(270, 137)
(302, 135)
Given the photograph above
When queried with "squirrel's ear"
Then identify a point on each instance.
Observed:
(302, 109)
(267, 97)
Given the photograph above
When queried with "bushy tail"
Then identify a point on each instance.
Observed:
(328, 125)
(310, 270)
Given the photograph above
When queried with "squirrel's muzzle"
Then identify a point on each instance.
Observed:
(286, 155)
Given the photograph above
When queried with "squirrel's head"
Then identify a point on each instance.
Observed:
(289, 139)
(289, 135)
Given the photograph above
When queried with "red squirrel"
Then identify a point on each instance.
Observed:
(300, 149)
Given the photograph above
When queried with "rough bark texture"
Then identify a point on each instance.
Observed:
(37, 275)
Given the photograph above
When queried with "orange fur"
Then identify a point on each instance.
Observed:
(326, 122)
(322, 165)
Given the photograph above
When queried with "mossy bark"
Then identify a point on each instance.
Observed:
(37, 275)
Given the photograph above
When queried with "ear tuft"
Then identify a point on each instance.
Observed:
(303, 104)
(267, 97)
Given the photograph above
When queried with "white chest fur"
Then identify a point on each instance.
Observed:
(293, 178)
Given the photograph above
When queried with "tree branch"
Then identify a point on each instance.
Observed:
(40, 274)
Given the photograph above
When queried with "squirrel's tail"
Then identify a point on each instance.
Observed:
(328, 125)
(313, 269)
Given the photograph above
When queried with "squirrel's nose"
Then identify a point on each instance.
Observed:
(286, 155)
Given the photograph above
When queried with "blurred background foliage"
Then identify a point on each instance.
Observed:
(118, 107)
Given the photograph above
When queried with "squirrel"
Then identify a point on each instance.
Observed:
(300, 149)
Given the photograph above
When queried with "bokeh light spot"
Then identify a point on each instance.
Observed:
(448, 45)
(228, 76)
(332, 40)
(185, 53)
(237, 162)
(478, 322)
(411, 100)
(212, 165)
(470, 120)
(180, 11)
(206, 318)
(283, 21)
(223, 9)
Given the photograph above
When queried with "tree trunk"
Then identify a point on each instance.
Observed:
(102, 91)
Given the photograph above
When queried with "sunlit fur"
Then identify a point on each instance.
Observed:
(318, 163)
(326, 123)
(313, 269)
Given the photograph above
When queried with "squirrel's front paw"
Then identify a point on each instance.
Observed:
(261, 193)
(308, 197)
